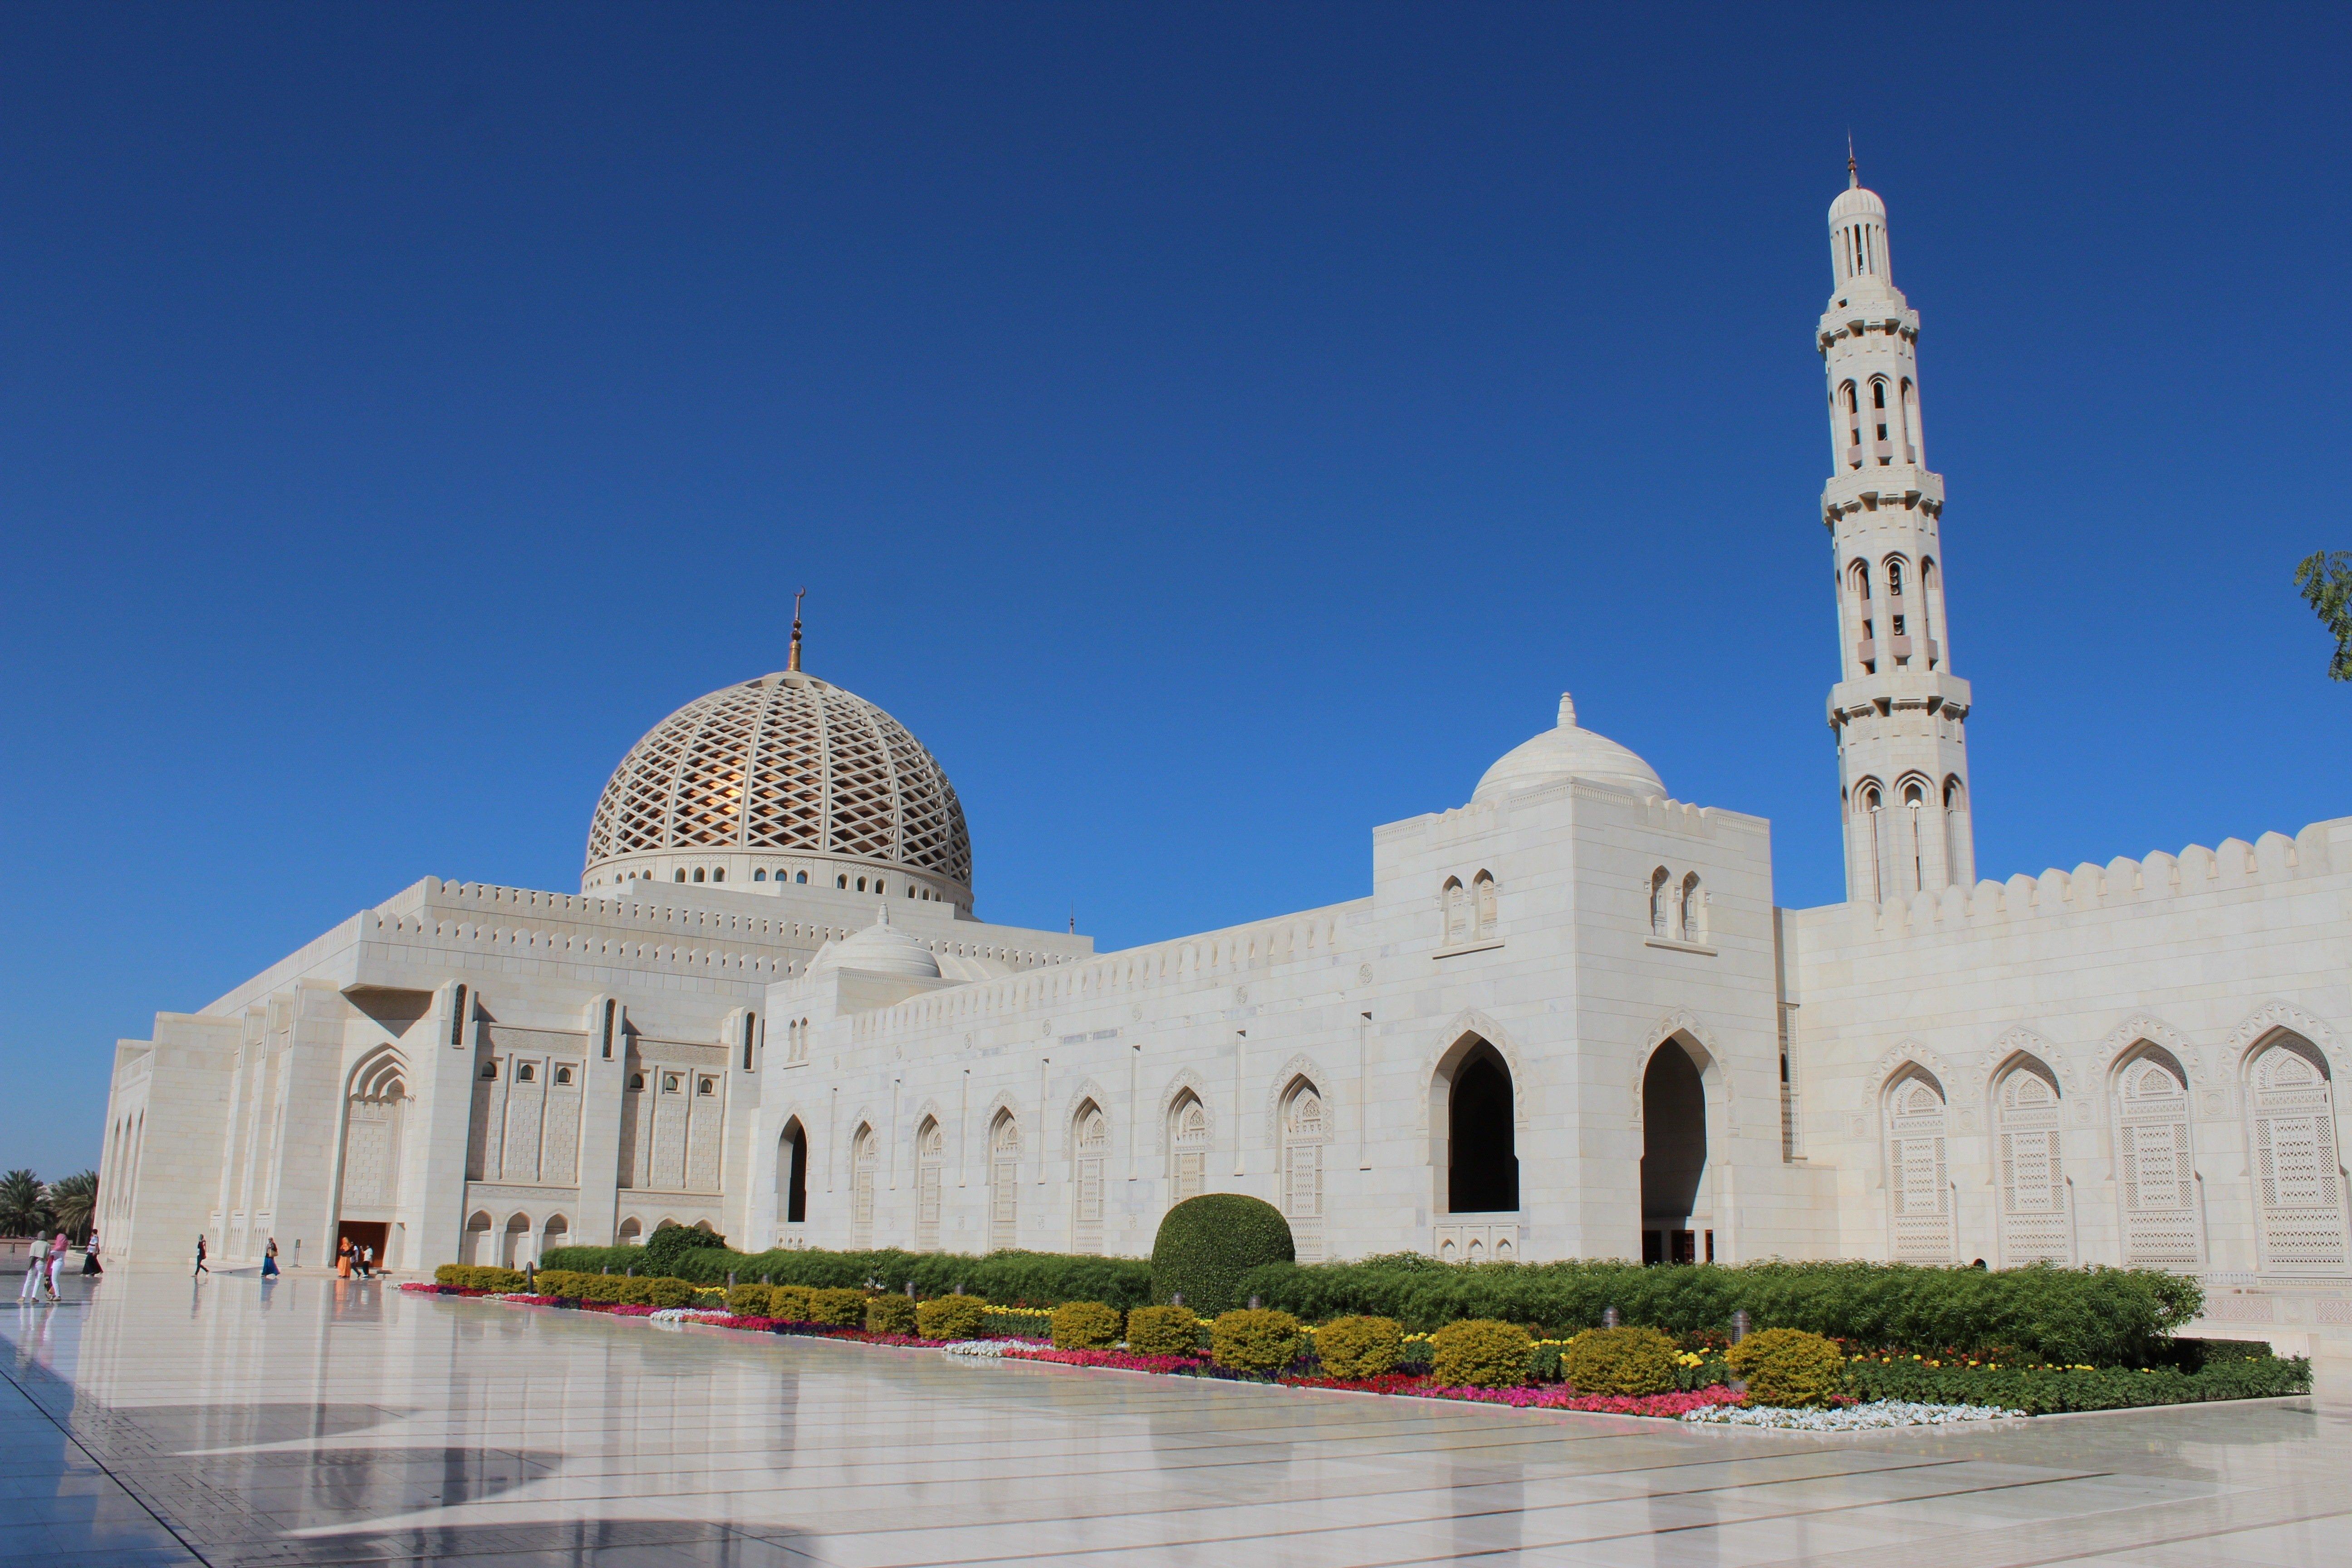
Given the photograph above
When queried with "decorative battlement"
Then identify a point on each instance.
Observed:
(2121, 883)
(1311, 937)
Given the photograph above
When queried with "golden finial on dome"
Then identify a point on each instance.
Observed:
(793, 660)
(1853, 169)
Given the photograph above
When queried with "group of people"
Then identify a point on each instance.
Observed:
(354, 1260)
(48, 1261)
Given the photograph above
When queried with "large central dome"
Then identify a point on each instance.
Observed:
(783, 779)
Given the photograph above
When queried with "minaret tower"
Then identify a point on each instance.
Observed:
(1898, 710)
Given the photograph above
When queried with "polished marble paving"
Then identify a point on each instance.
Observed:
(164, 1421)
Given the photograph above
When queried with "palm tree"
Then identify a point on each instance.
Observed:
(21, 1212)
(73, 1201)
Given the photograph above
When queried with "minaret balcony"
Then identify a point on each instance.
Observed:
(1898, 487)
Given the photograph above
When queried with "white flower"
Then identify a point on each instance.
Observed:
(1852, 1418)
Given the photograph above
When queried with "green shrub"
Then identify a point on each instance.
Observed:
(1789, 1367)
(1085, 1326)
(791, 1302)
(751, 1300)
(1359, 1347)
(951, 1318)
(2105, 1317)
(1480, 1353)
(669, 1245)
(473, 1277)
(891, 1315)
(1619, 1361)
(1206, 1244)
(1031, 1278)
(1164, 1331)
(1254, 1339)
(840, 1308)
(2050, 1390)
(670, 1293)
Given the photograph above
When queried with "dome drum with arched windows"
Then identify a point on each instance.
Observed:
(784, 780)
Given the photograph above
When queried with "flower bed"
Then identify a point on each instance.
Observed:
(1880, 1413)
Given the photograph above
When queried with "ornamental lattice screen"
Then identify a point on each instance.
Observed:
(2301, 1186)
(2034, 1218)
(2155, 1176)
(1919, 1182)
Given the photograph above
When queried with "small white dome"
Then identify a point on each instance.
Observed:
(1857, 202)
(880, 948)
(1568, 753)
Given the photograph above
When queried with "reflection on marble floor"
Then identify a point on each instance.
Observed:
(316, 1421)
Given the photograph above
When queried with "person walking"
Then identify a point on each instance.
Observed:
(270, 1260)
(89, 1255)
(200, 1256)
(57, 1262)
(343, 1259)
(34, 1264)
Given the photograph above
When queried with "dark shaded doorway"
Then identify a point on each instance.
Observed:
(791, 1169)
(1481, 1171)
(368, 1233)
(1674, 1157)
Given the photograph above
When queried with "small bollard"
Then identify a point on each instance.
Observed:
(1739, 1325)
(605, 1268)
(765, 1279)
(1609, 1317)
(1175, 1298)
(731, 1280)
(958, 1287)
(630, 1272)
(1253, 1303)
(910, 1289)
(530, 1276)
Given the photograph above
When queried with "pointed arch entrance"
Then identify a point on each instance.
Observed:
(1676, 1226)
(1482, 1159)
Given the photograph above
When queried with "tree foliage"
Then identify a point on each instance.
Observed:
(73, 1204)
(24, 1204)
(2325, 579)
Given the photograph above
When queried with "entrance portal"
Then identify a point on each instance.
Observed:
(1482, 1163)
(1673, 1159)
(369, 1233)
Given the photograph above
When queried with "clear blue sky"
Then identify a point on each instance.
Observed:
(1213, 430)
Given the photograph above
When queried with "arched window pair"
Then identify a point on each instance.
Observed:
(1468, 915)
(1305, 1131)
(1677, 908)
(1188, 1145)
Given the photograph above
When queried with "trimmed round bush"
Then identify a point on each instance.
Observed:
(1619, 1361)
(1359, 1347)
(1085, 1326)
(473, 1277)
(1164, 1331)
(951, 1318)
(1480, 1353)
(670, 1293)
(1254, 1339)
(891, 1315)
(1206, 1244)
(1789, 1367)
(751, 1300)
(839, 1307)
(664, 1250)
(791, 1302)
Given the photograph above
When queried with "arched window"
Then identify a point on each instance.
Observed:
(680, 875)
(1090, 1149)
(1303, 1135)
(1958, 866)
(526, 1073)
(478, 1240)
(1481, 895)
(563, 1075)
(2035, 1224)
(556, 1233)
(861, 884)
(490, 1068)
(1919, 1181)
(1911, 423)
(1867, 826)
(1456, 909)
(632, 1232)
(759, 874)
(791, 1172)
(931, 1168)
(2299, 1187)
(1693, 904)
(1880, 446)
(1188, 1143)
(1850, 407)
(1003, 1182)
(698, 873)
(800, 876)
(1482, 1161)
(1661, 902)
(864, 1158)
(636, 1080)
(1674, 1206)
(751, 1037)
(718, 873)
(2155, 1179)
(514, 1244)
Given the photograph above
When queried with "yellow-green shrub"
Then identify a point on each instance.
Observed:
(473, 1277)
(839, 1307)
(1254, 1339)
(1164, 1331)
(750, 1300)
(1359, 1347)
(890, 1314)
(1480, 1353)
(951, 1318)
(1619, 1361)
(791, 1302)
(1789, 1367)
(1085, 1326)
(669, 1293)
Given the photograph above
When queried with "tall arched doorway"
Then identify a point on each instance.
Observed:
(1482, 1161)
(792, 1172)
(1675, 1227)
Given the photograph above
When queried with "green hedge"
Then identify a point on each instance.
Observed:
(2046, 1390)
(1205, 1245)
(1014, 1278)
(2104, 1316)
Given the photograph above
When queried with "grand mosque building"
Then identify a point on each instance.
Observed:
(1567, 1020)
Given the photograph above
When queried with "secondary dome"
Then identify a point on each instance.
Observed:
(790, 777)
(1568, 753)
(880, 948)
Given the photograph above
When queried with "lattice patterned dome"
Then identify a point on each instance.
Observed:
(783, 779)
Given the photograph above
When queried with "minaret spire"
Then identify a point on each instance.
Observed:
(1898, 710)
(793, 661)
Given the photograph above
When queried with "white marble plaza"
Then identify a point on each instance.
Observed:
(170, 1422)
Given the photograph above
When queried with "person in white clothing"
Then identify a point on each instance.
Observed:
(35, 1265)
